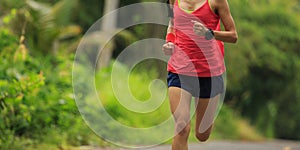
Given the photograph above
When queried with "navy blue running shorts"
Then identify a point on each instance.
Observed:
(200, 87)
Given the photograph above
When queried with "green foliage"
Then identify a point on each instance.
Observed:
(44, 26)
(139, 84)
(88, 12)
(53, 21)
(36, 100)
(230, 125)
(18, 86)
(266, 61)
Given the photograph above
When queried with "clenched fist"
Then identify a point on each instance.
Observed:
(199, 28)
(168, 48)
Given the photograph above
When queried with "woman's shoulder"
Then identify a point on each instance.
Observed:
(217, 3)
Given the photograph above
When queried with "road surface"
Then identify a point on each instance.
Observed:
(222, 145)
(225, 145)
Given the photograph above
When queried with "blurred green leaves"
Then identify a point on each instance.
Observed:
(36, 100)
(262, 68)
(45, 25)
(35, 86)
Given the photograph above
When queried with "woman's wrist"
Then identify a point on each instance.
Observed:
(209, 34)
(170, 37)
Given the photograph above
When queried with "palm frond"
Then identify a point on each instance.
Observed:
(69, 31)
(40, 7)
(52, 22)
(62, 11)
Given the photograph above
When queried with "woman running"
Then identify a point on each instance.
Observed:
(195, 42)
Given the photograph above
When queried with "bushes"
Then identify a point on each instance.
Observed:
(266, 62)
(36, 100)
(17, 89)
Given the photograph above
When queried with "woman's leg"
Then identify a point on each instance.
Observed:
(180, 101)
(205, 114)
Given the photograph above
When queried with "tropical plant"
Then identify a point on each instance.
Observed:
(45, 25)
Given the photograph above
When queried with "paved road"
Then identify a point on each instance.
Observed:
(226, 145)
(222, 145)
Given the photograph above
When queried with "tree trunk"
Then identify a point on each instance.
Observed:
(108, 26)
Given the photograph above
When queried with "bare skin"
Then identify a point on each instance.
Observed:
(180, 99)
(221, 8)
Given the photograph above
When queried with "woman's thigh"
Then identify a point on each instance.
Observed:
(205, 114)
(180, 101)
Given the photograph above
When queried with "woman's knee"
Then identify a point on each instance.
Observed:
(202, 137)
(182, 128)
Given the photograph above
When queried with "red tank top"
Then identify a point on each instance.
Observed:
(193, 54)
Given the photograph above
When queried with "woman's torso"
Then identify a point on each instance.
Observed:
(194, 55)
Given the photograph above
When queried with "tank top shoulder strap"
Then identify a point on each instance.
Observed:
(208, 1)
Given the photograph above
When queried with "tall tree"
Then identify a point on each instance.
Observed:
(108, 27)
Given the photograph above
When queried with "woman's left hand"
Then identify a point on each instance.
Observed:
(199, 28)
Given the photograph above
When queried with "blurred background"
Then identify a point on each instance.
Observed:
(39, 38)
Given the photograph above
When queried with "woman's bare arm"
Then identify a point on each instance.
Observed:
(229, 35)
(171, 22)
(171, 26)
